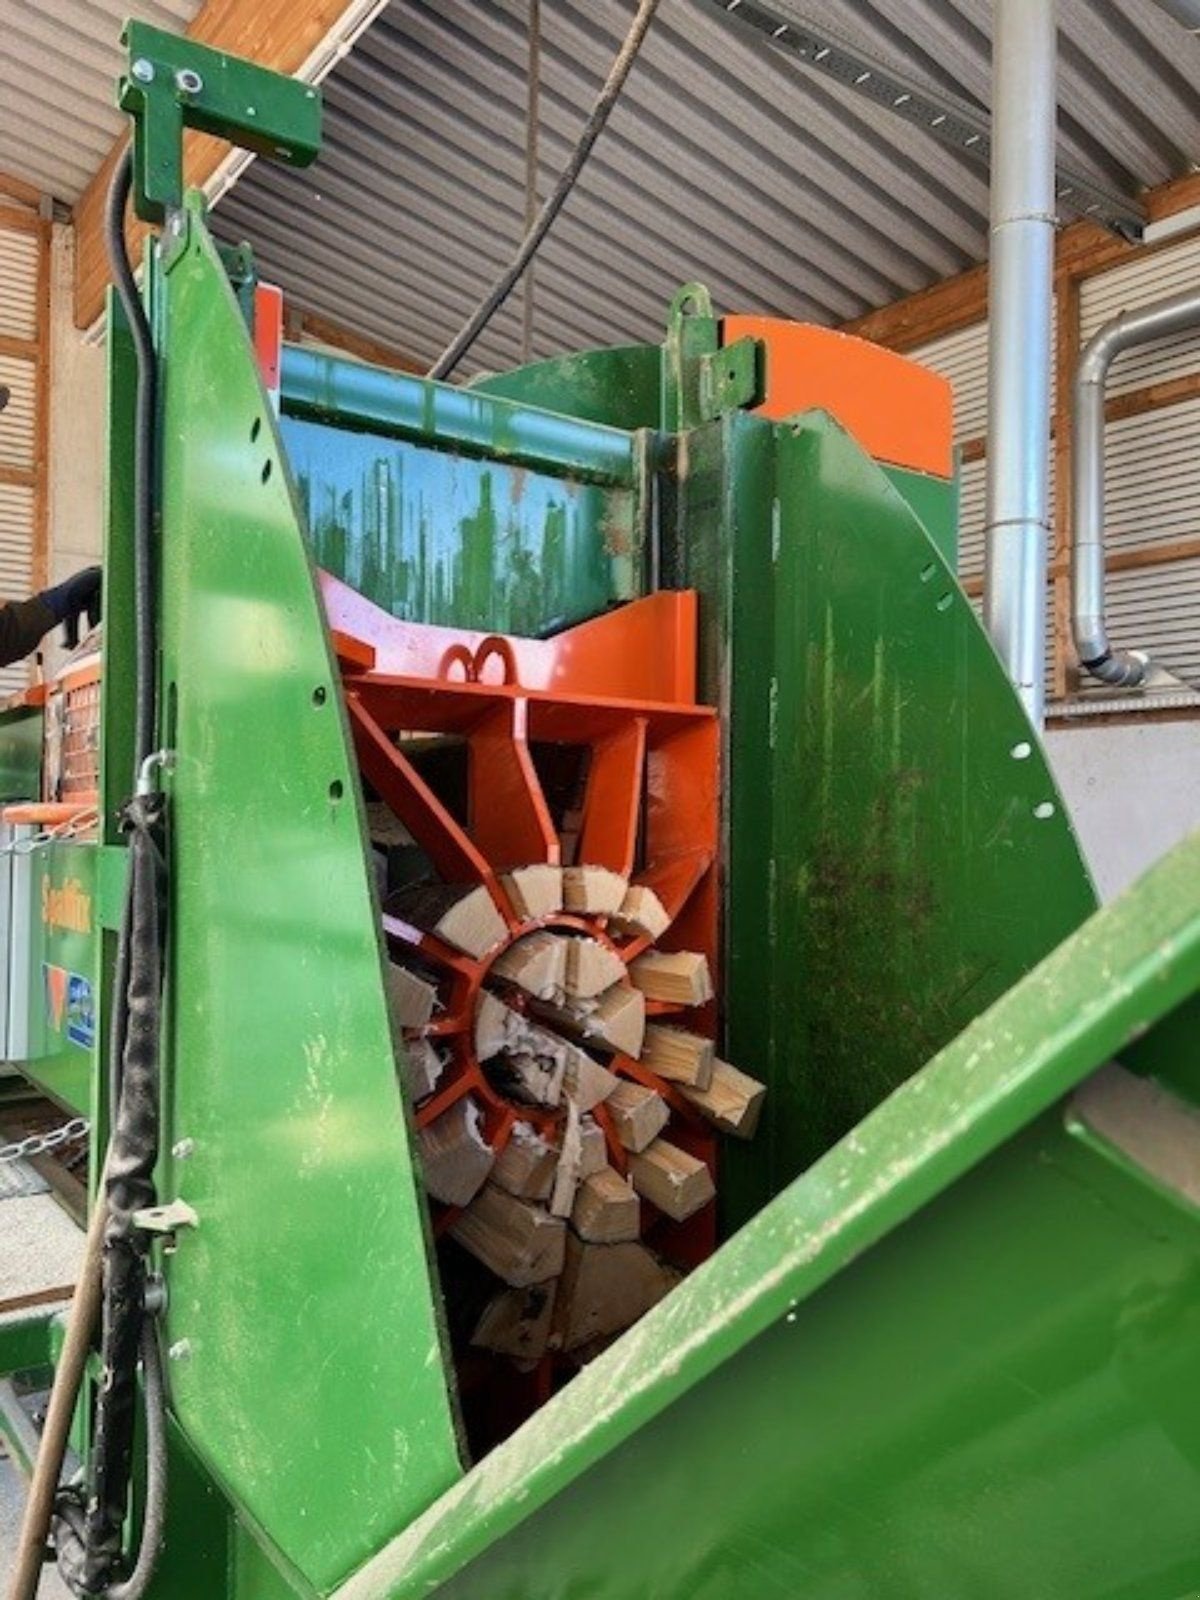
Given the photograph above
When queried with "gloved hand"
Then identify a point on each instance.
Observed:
(76, 596)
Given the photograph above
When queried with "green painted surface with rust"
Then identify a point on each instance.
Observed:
(953, 1358)
(436, 536)
(315, 1393)
(888, 874)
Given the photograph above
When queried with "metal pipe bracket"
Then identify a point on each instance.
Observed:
(172, 83)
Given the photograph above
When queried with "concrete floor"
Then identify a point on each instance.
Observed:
(12, 1504)
(40, 1249)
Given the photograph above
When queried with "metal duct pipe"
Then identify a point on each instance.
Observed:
(1173, 315)
(1186, 12)
(1020, 299)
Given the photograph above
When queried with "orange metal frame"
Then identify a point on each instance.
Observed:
(621, 685)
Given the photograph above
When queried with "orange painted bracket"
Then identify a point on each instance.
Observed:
(353, 655)
(47, 814)
(644, 651)
(900, 413)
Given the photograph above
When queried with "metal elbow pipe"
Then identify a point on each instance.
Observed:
(1123, 668)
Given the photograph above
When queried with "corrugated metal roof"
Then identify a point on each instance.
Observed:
(726, 160)
(59, 61)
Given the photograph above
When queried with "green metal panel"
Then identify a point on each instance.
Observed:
(935, 501)
(889, 873)
(21, 754)
(620, 386)
(25, 1340)
(953, 1358)
(314, 1387)
(173, 82)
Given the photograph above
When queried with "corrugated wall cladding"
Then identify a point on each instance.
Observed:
(1168, 271)
(1153, 476)
(962, 357)
(1158, 609)
(1152, 460)
(727, 161)
(59, 61)
(17, 417)
(18, 284)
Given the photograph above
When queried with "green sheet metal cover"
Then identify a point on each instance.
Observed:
(310, 1381)
(951, 1359)
(898, 853)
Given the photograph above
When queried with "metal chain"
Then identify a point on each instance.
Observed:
(40, 1144)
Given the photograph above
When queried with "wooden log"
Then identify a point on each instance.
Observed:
(678, 976)
(617, 1021)
(639, 1115)
(518, 1322)
(542, 1065)
(595, 890)
(604, 1288)
(538, 963)
(593, 1145)
(465, 917)
(535, 891)
(732, 1102)
(421, 1068)
(679, 1055)
(591, 968)
(455, 1157)
(642, 912)
(677, 1183)
(566, 1179)
(606, 1209)
(411, 999)
(491, 1026)
(527, 1164)
(516, 1239)
(587, 1083)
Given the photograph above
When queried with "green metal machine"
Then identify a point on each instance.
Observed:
(942, 1345)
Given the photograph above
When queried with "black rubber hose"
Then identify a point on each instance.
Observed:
(592, 129)
(143, 490)
(154, 1515)
(91, 1545)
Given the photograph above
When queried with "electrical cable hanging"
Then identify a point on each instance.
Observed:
(89, 1526)
(532, 116)
(592, 129)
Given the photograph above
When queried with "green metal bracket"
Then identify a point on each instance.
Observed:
(172, 83)
(701, 379)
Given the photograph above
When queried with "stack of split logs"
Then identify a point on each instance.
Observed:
(555, 1192)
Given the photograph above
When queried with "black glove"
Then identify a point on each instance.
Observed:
(76, 596)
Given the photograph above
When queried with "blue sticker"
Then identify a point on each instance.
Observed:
(81, 1015)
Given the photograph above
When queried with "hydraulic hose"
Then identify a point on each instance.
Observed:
(90, 1525)
(592, 129)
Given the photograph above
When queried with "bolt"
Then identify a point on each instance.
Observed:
(143, 70)
(183, 1149)
(181, 1350)
(154, 1295)
(188, 81)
